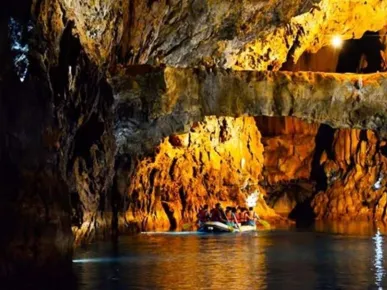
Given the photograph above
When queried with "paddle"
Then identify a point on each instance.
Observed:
(236, 221)
(187, 226)
(264, 223)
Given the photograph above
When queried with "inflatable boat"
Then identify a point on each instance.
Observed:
(218, 227)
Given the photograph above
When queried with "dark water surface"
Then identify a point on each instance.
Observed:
(282, 259)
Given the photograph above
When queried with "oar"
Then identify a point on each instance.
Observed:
(264, 223)
(187, 226)
(236, 221)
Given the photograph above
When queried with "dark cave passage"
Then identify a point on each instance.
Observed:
(364, 55)
(324, 141)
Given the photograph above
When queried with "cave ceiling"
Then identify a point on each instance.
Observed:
(206, 50)
(237, 34)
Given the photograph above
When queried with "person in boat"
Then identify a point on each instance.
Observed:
(230, 217)
(251, 217)
(243, 216)
(203, 215)
(218, 215)
(234, 213)
(238, 214)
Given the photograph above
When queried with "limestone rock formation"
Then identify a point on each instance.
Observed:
(324, 60)
(355, 170)
(56, 144)
(311, 31)
(97, 24)
(179, 97)
(220, 159)
(235, 34)
(289, 148)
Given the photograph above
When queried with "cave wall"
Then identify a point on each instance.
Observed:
(259, 35)
(289, 149)
(34, 214)
(82, 104)
(57, 145)
(219, 160)
(352, 161)
(355, 173)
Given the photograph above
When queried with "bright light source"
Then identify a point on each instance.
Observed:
(337, 42)
(378, 183)
(252, 199)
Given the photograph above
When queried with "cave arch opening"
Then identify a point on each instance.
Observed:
(303, 171)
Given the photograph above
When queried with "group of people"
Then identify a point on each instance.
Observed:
(232, 216)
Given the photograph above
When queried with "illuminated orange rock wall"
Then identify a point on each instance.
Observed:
(289, 147)
(221, 159)
(356, 178)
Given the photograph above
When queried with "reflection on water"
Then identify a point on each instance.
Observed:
(354, 228)
(378, 261)
(263, 260)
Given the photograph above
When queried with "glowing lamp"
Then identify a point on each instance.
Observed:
(337, 42)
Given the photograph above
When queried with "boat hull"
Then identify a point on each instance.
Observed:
(218, 227)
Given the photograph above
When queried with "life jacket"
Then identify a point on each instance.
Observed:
(230, 217)
(235, 217)
(242, 217)
(203, 215)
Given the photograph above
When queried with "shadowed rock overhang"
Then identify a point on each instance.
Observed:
(154, 103)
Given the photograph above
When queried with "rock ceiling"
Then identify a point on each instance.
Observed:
(234, 34)
(238, 34)
(179, 97)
